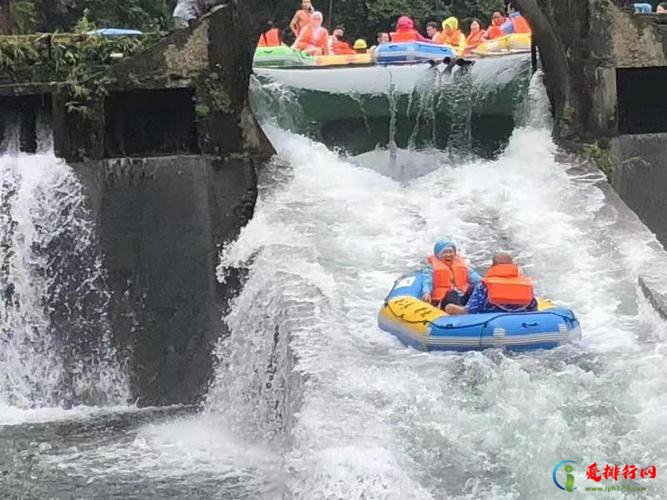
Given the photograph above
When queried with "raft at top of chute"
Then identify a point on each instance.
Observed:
(386, 54)
(392, 53)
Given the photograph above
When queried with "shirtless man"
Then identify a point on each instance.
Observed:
(302, 17)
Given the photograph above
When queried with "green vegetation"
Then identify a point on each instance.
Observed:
(77, 60)
(30, 16)
(601, 157)
(363, 18)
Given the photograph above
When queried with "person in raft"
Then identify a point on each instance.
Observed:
(503, 289)
(406, 32)
(476, 36)
(314, 39)
(271, 37)
(302, 17)
(360, 46)
(338, 46)
(432, 30)
(447, 278)
(515, 22)
(496, 28)
(451, 34)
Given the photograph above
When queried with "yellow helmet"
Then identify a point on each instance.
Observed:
(360, 45)
(451, 22)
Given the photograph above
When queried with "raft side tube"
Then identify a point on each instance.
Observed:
(407, 52)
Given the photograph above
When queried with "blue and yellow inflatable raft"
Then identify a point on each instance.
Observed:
(427, 328)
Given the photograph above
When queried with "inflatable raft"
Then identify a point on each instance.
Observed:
(344, 60)
(412, 52)
(282, 56)
(427, 328)
(510, 44)
(287, 57)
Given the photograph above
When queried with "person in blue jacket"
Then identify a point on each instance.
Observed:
(515, 23)
(447, 278)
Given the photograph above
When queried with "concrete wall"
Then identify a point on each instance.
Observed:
(638, 41)
(581, 45)
(161, 222)
(640, 177)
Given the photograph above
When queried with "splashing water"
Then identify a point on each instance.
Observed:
(355, 413)
(312, 400)
(54, 334)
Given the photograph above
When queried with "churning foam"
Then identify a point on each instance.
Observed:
(56, 347)
(357, 413)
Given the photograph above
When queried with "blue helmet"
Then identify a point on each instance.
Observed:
(441, 245)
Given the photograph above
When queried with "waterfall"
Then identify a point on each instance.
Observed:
(55, 338)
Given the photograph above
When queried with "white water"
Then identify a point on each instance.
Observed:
(355, 413)
(55, 349)
(312, 400)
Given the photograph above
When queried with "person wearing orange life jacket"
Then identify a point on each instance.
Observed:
(302, 17)
(337, 44)
(495, 30)
(476, 36)
(432, 30)
(452, 35)
(406, 32)
(503, 289)
(515, 22)
(447, 278)
(314, 39)
(271, 37)
(440, 38)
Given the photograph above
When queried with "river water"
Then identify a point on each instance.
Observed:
(312, 400)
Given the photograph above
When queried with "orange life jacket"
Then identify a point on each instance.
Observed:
(456, 39)
(270, 39)
(339, 47)
(520, 24)
(310, 37)
(474, 39)
(439, 38)
(405, 36)
(446, 278)
(495, 31)
(508, 287)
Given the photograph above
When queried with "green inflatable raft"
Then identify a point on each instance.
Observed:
(283, 56)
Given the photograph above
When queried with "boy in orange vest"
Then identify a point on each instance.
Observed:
(503, 289)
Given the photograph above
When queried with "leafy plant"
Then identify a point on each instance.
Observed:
(26, 16)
